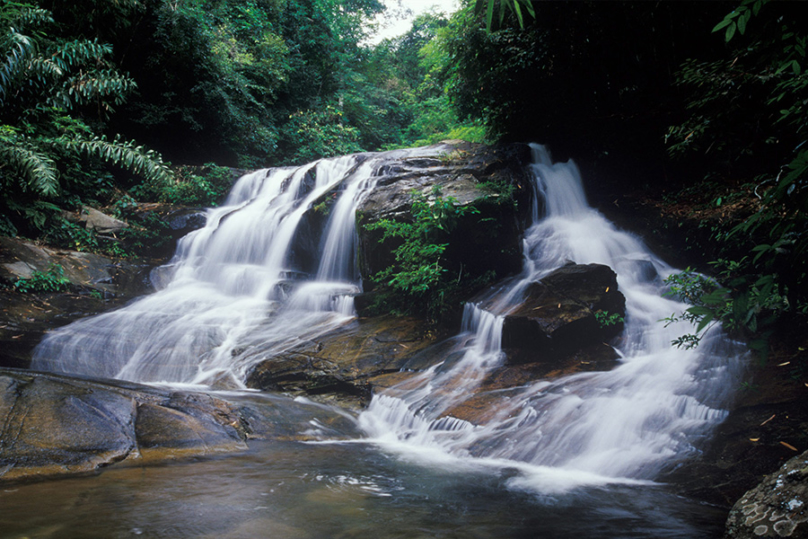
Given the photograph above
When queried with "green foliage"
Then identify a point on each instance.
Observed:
(47, 83)
(70, 235)
(320, 133)
(52, 280)
(190, 186)
(747, 112)
(418, 273)
(151, 235)
(750, 310)
(606, 319)
(738, 18)
(515, 7)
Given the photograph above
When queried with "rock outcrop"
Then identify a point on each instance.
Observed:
(342, 363)
(346, 365)
(777, 507)
(491, 179)
(559, 314)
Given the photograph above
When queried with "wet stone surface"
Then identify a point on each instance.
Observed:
(53, 425)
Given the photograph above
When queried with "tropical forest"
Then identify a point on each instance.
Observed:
(326, 268)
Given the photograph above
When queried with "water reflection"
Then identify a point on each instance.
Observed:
(295, 490)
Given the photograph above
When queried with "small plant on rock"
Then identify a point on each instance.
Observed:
(52, 280)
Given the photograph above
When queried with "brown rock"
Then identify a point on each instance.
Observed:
(343, 360)
(97, 284)
(53, 425)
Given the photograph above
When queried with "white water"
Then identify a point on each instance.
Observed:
(235, 292)
(588, 428)
(238, 292)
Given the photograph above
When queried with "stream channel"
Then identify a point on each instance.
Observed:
(577, 456)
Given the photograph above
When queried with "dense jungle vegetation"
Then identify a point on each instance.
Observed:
(105, 102)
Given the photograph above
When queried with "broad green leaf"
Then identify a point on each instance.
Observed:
(709, 317)
(742, 20)
(730, 32)
(722, 24)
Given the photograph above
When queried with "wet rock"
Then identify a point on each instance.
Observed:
(183, 221)
(470, 173)
(20, 259)
(483, 404)
(94, 219)
(341, 362)
(766, 426)
(778, 507)
(164, 224)
(97, 284)
(53, 425)
(558, 314)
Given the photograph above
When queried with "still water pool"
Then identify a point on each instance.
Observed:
(299, 490)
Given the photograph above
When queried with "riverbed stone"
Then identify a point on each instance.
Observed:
(97, 284)
(54, 425)
(777, 507)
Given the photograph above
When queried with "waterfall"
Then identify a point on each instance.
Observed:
(588, 428)
(260, 278)
(239, 290)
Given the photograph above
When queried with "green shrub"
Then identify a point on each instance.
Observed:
(53, 280)
(606, 319)
(418, 274)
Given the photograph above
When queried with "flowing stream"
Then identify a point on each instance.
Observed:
(260, 277)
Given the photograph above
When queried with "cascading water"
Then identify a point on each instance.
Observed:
(588, 428)
(244, 288)
(237, 290)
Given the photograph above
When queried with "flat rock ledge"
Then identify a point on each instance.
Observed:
(777, 507)
(52, 425)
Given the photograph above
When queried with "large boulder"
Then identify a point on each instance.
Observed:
(491, 179)
(54, 425)
(559, 314)
(777, 507)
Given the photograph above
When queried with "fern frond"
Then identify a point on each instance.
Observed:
(84, 88)
(124, 153)
(80, 51)
(36, 169)
(21, 50)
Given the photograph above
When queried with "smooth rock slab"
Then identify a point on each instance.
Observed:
(51, 425)
(343, 361)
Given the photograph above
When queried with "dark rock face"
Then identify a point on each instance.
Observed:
(777, 507)
(557, 316)
(341, 362)
(471, 174)
(376, 353)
